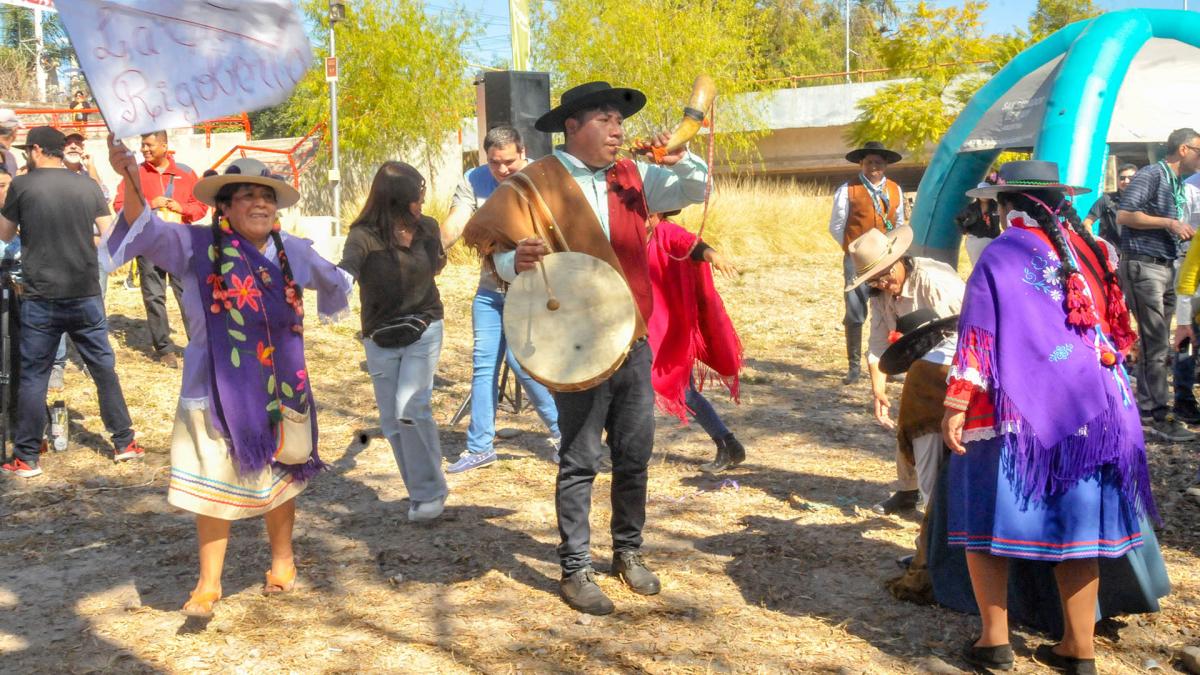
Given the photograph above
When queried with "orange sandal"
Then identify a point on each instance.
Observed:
(275, 585)
(200, 605)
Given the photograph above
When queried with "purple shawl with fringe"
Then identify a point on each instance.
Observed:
(1063, 414)
(255, 351)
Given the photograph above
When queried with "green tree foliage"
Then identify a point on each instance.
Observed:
(1050, 15)
(940, 50)
(403, 84)
(659, 47)
(17, 38)
(808, 37)
(916, 113)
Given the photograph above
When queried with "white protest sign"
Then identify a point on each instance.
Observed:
(44, 5)
(162, 64)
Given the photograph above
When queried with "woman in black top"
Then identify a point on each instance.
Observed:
(394, 252)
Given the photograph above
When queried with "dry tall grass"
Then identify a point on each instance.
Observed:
(748, 217)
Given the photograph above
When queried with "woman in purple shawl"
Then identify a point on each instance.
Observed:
(244, 377)
(1050, 463)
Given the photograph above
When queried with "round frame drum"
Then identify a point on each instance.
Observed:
(585, 340)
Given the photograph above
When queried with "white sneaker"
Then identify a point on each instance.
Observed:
(422, 511)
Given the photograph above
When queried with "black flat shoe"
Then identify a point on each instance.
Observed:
(904, 500)
(996, 657)
(1046, 656)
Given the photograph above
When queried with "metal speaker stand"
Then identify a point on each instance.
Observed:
(515, 399)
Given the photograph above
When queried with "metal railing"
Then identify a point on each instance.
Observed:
(68, 120)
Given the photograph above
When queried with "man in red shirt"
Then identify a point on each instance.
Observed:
(167, 187)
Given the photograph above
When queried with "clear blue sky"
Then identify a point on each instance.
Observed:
(492, 46)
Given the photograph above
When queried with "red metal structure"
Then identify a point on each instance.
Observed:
(93, 124)
(291, 160)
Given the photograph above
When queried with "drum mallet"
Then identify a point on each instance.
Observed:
(552, 303)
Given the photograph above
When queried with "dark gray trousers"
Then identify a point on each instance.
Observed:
(623, 408)
(154, 298)
(1150, 293)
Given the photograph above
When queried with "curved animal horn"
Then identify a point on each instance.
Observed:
(699, 105)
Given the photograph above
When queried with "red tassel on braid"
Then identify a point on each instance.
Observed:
(1118, 316)
(1080, 311)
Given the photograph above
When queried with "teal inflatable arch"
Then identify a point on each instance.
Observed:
(1096, 57)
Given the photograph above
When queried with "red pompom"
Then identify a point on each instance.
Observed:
(894, 336)
(1080, 311)
(1118, 316)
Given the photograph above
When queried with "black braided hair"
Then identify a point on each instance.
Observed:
(1021, 201)
(1072, 217)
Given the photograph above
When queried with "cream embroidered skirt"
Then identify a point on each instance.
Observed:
(203, 478)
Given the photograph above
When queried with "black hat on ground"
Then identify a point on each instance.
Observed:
(49, 139)
(873, 148)
(921, 331)
(590, 95)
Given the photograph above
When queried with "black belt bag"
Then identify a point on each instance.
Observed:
(401, 332)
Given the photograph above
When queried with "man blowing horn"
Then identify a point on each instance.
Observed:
(600, 205)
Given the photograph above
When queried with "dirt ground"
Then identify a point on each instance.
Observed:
(777, 567)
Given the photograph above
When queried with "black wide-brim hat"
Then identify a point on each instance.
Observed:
(590, 95)
(923, 330)
(1024, 176)
(873, 148)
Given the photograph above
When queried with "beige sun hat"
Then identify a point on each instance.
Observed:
(875, 251)
(246, 170)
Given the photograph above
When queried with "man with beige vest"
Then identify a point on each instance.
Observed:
(868, 202)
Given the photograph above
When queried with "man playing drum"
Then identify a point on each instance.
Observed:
(599, 206)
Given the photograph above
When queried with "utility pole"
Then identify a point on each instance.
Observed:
(337, 12)
(847, 41)
(39, 49)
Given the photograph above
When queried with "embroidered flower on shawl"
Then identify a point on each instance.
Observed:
(1050, 276)
(302, 379)
(264, 355)
(245, 292)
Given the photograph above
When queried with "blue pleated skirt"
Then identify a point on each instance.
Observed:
(1035, 536)
(986, 513)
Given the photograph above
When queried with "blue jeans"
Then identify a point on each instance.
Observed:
(487, 319)
(403, 382)
(60, 356)
(702, 411)
(43, 323)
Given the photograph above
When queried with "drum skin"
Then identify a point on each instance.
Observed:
(586, 339)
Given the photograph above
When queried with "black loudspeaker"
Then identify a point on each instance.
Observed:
(518, 98)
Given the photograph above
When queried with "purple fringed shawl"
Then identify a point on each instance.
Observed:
(255, 349)
(1063, 414)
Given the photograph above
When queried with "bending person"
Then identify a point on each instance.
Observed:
(689, 325)
(1050, 462)
(901, 284)
(395, 252)
(245, 382)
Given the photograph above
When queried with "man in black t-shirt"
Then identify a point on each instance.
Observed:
(53, 210)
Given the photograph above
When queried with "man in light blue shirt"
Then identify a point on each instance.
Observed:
(505, 156)
(584, 173)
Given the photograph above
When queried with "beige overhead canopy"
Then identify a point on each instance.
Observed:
(1160, 93)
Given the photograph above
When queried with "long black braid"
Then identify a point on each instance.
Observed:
(1056, 199)
(1021, 201)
